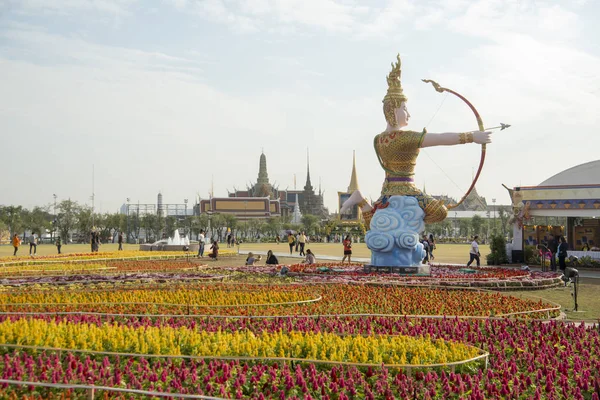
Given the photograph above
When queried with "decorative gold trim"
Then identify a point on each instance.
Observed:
(395, 95)
(462, 138)
(470, 137)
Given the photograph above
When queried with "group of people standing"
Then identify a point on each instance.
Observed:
(299, 242)
(558, 248)
(428, 246)
(214, 246)
(32, 240)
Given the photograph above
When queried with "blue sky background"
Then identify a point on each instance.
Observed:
(169, 95)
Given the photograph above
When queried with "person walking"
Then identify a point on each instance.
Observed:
(425, 244)
(120, 240)
(58, 243)
(302, 241)
(291, 242)
(201, 243)
(347, 249)
(562, 254)
(16, 242)
(474, 252)
(32, 244)
(553, 247)
(296, 241)
(431, 246)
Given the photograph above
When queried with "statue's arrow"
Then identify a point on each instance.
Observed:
(501, 127)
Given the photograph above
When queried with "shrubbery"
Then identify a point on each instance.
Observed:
(497, 254)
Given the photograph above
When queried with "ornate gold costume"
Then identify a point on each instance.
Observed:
(397, 152)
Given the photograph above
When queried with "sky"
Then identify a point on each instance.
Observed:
(181, 96)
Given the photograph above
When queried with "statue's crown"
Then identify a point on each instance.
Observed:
(395, 93)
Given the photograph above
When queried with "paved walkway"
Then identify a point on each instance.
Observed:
(587, 274)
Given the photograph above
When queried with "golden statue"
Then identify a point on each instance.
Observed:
(397, 151)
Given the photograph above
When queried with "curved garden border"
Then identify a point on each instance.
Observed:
(483, 355)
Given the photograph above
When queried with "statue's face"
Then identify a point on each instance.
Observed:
(402, 115)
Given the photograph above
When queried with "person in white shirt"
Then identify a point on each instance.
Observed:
(201, 243)
(32, 244)
(302, 241)
(474, 252)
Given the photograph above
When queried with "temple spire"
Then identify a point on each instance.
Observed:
(353, 179)
(263, 177)
(308, 185)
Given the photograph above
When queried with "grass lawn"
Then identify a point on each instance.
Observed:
(588, 299)
(46, 249)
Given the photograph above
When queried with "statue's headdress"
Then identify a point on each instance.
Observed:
(395, 95)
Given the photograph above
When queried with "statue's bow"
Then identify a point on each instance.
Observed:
(481, 128)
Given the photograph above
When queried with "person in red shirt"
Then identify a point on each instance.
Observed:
(347, 249)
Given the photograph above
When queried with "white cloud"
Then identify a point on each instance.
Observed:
(66, 7)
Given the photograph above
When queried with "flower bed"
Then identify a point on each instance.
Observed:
(267, 300)
(497, 278)
(165, 340)
(106, 256)
(527, 360)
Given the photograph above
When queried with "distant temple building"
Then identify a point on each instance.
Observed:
(309, 201)
(473, 202)
(263, 200)
(354, 214)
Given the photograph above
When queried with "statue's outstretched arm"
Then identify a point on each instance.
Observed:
(451, 138)
(356, 199)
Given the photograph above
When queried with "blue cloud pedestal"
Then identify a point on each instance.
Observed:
(393, 237)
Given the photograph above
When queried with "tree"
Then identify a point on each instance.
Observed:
(255, 227)
(170, 225)
(231, 221)
(476, 224)
(84, 221)
(331, 226)
(12, 216)
(37, 220)
(116, 223)
(67, 218)
(217, 224)
(504, 217)
(200, 222)
(274, 226)
(464, 227)
(153, 225)
(310, 222)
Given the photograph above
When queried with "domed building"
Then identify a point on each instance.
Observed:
(567, 204)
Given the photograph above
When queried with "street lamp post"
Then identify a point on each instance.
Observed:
(185, 201)
(494, 203)
(127, 241)
(55, 220)
(246, 219)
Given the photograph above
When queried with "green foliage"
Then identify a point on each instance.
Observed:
(11, 216)
(464, 227)
(67, 215)
(476, 224)
(310, 224)
(170, 225)
(531, 255)
(497, 254)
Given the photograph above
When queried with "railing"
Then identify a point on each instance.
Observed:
(91, 390)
